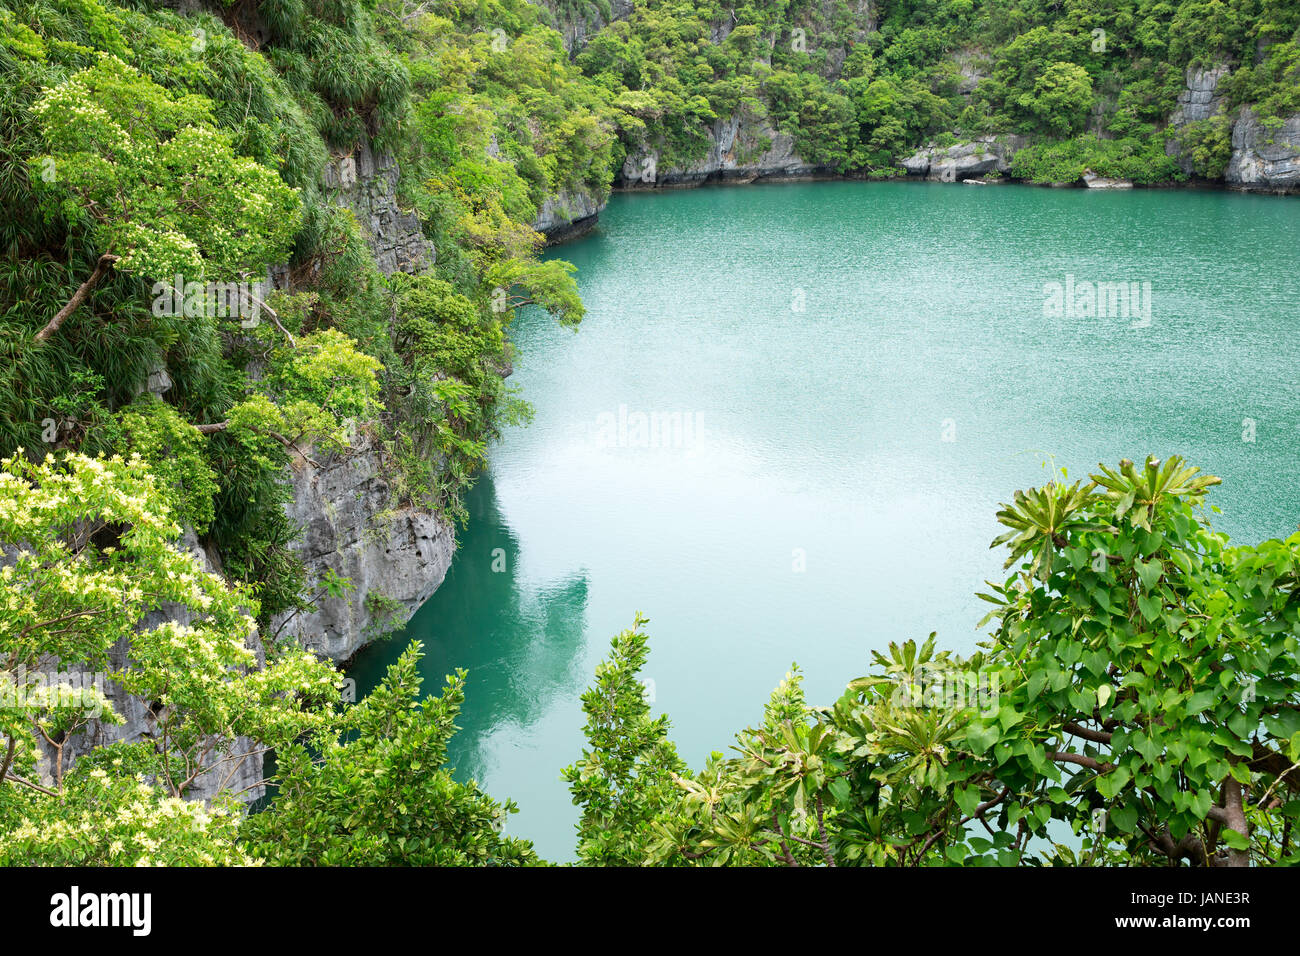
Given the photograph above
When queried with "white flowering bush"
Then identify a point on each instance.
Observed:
(107, 817)
(88, 559)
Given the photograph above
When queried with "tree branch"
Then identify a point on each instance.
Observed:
(1096, 736)
(215, 427)
(101, 269)
(1081, 760)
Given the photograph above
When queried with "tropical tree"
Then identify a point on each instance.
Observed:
(379, 794)
(1140, 690)
(92, 579)
(156, 185)
(627, 776)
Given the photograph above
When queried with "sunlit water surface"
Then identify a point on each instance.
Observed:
(867, 372)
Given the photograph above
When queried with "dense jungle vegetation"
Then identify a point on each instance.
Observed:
(1095, 81)
(139, 144)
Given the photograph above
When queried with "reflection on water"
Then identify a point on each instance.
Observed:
(520, 656)
(869, 369)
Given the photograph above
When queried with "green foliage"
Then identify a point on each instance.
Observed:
(1140, 686)
(154, 182)
(446, 383)
(1138, 160)
(549, 284)
(1208, 144)
(1048, 70)
(185, 106)
(92, 558)
(176, 456)
(106, 817)
(164, 140)
(1272, 84)
(628, 775)
(379, 794)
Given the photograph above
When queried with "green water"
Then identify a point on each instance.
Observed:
(818, 437)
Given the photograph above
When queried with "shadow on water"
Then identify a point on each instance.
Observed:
(519, 640)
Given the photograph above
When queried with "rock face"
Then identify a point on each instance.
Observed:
(1199, 101)
(367, 185)
(235, 766)
(739, 151)
(976, 158)
(395, 557)
(1262, 159)
(574, 29)
(568, 215)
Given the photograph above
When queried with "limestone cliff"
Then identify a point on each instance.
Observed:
(1199, 101)
(739, 150)
(1264, 159)
(576, 24)
(569, 214)
(367, 185)
(395, 556)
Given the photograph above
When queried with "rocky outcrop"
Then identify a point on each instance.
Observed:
(1201, 98)
(973, 68)
(367, 184)
(575, 28)
(394, 557)
(739, 150)
(1093, 181)
(978, 157)
(568, 215)
(1264, 159)
(1199, 101)
(233, 766)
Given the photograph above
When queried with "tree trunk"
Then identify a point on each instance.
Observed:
(101, 269)
(1236, 820)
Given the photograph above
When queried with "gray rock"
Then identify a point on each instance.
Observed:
(568, 214)
(1266, 160)
(973, 66)
(157, 382)
(367, 184)
(1200, 98)
(235, 766)
(395, 557)
(1093, 181)
(961, 161)
(1199, 101)
(739, 150)
(575, 28)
